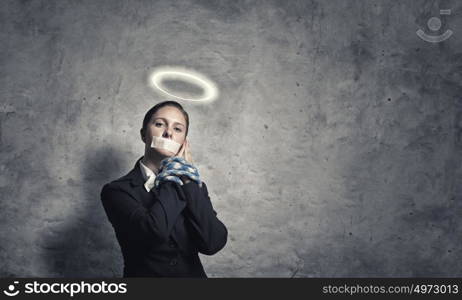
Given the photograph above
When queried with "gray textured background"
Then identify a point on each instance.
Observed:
(333, 150)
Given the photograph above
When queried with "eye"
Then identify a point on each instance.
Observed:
(178, 129)
(158, 124)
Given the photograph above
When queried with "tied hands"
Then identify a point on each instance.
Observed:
(185, 153)
(179, 168)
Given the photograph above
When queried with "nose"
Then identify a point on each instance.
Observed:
(167, 133)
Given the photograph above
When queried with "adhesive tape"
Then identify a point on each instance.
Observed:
(166, 144)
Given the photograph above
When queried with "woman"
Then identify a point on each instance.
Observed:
(161, 211)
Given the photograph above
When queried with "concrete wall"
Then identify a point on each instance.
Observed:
(334, 148)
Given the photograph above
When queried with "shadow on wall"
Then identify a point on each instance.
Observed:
(85, 245)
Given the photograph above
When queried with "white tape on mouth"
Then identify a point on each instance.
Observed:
(166, 144)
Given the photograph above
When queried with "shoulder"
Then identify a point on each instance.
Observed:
(121, 183)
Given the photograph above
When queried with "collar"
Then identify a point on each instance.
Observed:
(134, 176)
(148, 175)
(145, 171)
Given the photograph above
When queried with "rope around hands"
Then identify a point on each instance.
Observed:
(172, 168)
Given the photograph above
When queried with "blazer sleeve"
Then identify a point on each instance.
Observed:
(129, 217)
(210, 232)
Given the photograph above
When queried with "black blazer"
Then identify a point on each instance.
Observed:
(161, 232)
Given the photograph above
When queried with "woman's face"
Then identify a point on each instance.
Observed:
(168, 122)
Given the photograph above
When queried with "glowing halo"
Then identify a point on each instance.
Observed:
(209, 88)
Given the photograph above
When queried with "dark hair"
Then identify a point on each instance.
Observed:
(158, 106)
